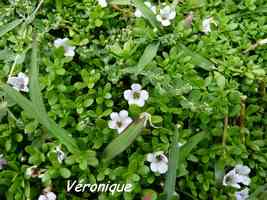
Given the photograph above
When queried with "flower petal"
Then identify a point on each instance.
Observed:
(123, 114)
(51, 196)
(128, 94)
(42, 197)
(139, 102)
(112, 124)
(242, 169)
(162, 167)
(150, 157)
(138, 13)
(154, 167)
(136, 87)
(114, 116)
(172, 14)
(59, 42)
(165, 22)
(69, 51)
(127, 121)
(144, 94)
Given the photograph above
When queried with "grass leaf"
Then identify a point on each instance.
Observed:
(8, 27)
(147, 13)
(35, 91)
(169, 188)
(125, 139)
(188, 147)
(59, 133)
(147, 57)
(197, 59)
(120, 2)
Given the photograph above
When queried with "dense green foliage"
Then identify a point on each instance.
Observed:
(213, 85)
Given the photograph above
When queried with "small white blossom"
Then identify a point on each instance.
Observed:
(20, 82)
(136, 95)
(119, 121)
(3, 161)
(60, 154)
(158, 162)
(102, 3)
(68, 49)
(34, 171)
(166, 14)
(138, 12)
(236, 176)
(48, 196)
(206, 25)
(242, 195)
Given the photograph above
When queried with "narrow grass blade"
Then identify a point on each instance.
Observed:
(188, 147)
(260, 193)
(147, 57)
(35, 91)
(124, 140)
(147, 13)
(197, 59)
(169, 188)
(22, 101)
(63, 136)
(120, 2)
(59, 133)
(8, 27)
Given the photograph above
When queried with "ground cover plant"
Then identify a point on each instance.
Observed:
(167, 96)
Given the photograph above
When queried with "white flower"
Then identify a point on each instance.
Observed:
(68, 49)
(60, 154)
(206, 24)
(34, 171)
(231, 179)
(48, 196)
(136, 95)
(102, 3)
(138, 12)
(166, 14)
(242, 195)
(236, 176)
(119, 121)
(158, 162)
(3, 161)
(20, 82)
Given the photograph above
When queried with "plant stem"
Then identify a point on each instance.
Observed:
(242, 119)
(225, 133)
(262, 88)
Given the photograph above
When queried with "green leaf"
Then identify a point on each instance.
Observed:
(197, 59)
(62, 135)
(124, 140)
(65, 172)
(220, 80)
(8, 27)
(169, 188)
(260, 192)
(147, 13)
(188, 147)
(147, 57)
(35, 91)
